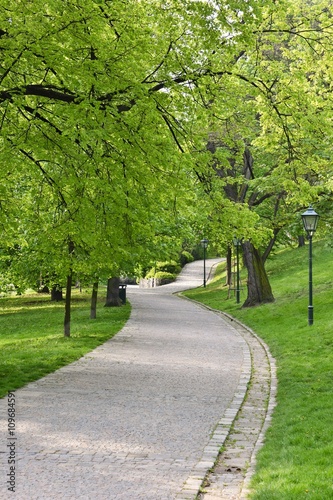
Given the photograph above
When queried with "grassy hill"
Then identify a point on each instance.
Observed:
(296, 461)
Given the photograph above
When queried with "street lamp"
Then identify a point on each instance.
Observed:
(204, 244)
(237, 242)
(310, 221)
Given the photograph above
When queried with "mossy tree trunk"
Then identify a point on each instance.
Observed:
(259, 290)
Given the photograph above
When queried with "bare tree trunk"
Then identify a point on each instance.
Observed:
(229, 267)
(93, 305)
(270, 245)
(112, 293)
(259, 290)
(301, 241)
(67, 320)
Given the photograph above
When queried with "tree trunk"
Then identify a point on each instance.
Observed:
(270, 245)
(229, 267)
(301, 241)
(93, 305)
(112, 293)
(258, 287)
(56, 293)
(67, 320)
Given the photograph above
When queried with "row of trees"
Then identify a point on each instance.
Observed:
(130, 127)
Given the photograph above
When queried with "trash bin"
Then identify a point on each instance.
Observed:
(122, 293)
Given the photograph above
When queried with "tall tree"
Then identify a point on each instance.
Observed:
(104, 104)
(268, 132)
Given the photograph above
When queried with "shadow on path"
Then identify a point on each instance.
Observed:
(142, 416)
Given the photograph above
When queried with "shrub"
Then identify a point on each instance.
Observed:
(164, 271)
(165, 277)
(185, 258)
(150, 273)
(168, 267)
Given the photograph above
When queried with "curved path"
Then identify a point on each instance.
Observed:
(142, 416)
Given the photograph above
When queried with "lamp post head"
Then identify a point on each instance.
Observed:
(204, 243)
(237, 241)
(310, 221)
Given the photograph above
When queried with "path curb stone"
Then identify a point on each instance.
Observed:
(210, 455)
(260, 396)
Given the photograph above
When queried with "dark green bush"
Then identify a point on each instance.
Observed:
(164, 270)
(168, 267)
(165, 277)
(185, 258)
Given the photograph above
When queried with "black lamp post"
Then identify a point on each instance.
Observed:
(204, 244)
(237, 242)
(310, 221)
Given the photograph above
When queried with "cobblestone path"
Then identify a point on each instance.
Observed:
(140, 417)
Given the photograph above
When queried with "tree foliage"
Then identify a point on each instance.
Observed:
(126, 127)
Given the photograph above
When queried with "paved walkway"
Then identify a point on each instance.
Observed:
(142, 416)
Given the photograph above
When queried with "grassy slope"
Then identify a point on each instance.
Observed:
(31, 336)
(296, 461)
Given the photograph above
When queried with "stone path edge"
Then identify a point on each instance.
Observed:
(271, 404)
(192, 486)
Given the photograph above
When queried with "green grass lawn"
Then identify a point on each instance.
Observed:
(31, 335)
(296, 461)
